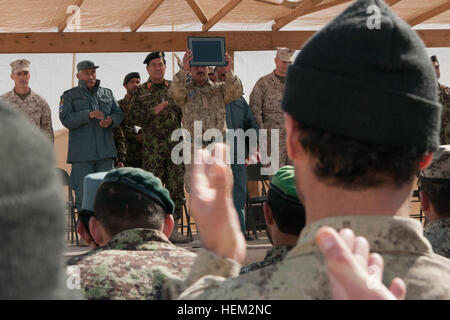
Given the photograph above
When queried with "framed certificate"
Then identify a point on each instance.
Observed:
(207, 51)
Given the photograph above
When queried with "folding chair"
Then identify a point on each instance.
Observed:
(416, 198)
(186, 226)
(71, 228)
(254, 214)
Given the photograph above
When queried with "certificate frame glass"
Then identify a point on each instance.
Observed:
(207, 51)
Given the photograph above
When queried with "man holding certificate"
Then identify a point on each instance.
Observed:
(203, 101)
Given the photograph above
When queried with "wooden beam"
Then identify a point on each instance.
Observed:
(91, 42)
(392, 2)
(147, 13)
(220, 14)
(429, 14)
(306, 7)
(198, 11)
(62, 26)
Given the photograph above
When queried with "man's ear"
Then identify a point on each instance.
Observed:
(268, 216)
(84, 234)
(292, 136)
(168, 225)
(12, 76)
(425, 202)
(426, 161)
(78, 77)
(97, 231)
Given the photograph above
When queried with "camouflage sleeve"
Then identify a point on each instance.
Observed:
(177, 90)
(46, 120)
(232, 87)
(121, 146)
(207, 265)
(256, 102)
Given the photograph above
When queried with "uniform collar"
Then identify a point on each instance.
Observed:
(438, 224)
(82, 84)
(277, 252)
(384, 234)
(137, 239)
(15, 95)
(150, 83)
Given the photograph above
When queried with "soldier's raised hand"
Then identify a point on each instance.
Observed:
(187, 58)
(229, 62)
(212, 207)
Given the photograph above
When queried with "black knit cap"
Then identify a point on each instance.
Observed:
(374, 85)
(130, 76)
(154, 55)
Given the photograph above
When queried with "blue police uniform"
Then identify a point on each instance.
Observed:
(91, 147)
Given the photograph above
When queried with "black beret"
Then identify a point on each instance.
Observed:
(154, 55)
(130, 76)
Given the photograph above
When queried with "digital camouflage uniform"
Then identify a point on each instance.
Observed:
(130, 264)
(303, 275)
(438, 233)
(273, 255)
(444, 98)
(265, 102)
(34, 107)
(129, 151)
(157, 130)
(205, 104)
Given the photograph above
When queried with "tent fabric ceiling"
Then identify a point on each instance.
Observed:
(177, 15)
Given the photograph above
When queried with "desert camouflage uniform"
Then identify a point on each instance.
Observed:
(206, 104)
(444, 97)
(273, 255)
(303, 275)
(438, 233)
(157, 131)
(34, 107)
(129, 151)
(130, 264)
(265, 102)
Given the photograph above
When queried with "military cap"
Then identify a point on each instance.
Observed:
(440, 166)
(130, 76)
(154, 55)
(144, 182)
(283, 184)
(285, 54)
(86, 64)
(91, 184)
(20, 65)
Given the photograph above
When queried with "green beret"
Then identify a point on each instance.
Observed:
(90, 186)
(144, 182)
(154, 55)
(283, 183)
(130, 76)
(86, 64)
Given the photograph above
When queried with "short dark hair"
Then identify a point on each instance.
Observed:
(357, 165)
(83, 218)
(119, 207)
(290, 217)
(438, 194)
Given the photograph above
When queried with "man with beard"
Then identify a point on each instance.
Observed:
(202, 100)
(158, 116)
(444, 98)
(128, 140)
(285, 218)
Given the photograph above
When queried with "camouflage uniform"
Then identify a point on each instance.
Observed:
(34, 107)
(206, 104)
(438, 233)
(273, 255)
(127, 266)
(444, 97)
(265, 102)
(303, 274)
(157, 131)
(129, 151)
